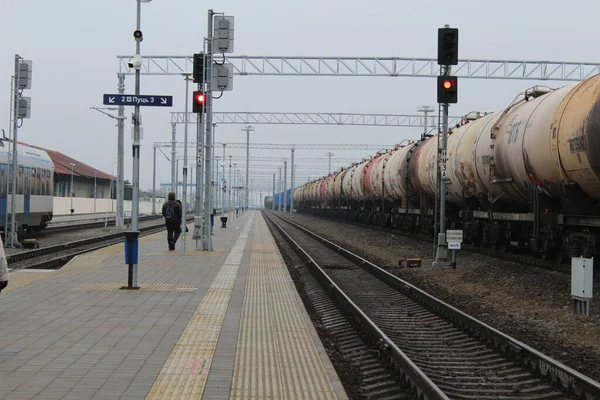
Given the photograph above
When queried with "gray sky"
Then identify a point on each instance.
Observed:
(74, 43)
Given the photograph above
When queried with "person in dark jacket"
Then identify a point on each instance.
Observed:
(171, 211)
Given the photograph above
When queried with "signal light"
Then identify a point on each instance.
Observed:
(447, 89)
(198, 100)
(198, 69)
(447, 46)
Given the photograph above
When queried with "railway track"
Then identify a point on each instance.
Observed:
(56, 256)
(66, 226)
(439, 351)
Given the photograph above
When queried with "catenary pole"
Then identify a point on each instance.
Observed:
(206, 236)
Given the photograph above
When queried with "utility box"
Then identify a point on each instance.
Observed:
(582, 277)
(582, 284)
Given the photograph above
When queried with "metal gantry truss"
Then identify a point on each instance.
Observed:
(374, 66)
(297, 118)
(274, 146)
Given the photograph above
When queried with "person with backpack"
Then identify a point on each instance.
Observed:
(3, 268)
(171, 211)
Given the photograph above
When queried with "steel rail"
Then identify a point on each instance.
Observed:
(553, 370)
(419, 382)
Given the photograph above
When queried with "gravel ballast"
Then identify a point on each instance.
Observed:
(531, 304)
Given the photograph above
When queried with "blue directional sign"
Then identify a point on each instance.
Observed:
(139, 100)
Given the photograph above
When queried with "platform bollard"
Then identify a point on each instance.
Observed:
(131, 259)
(223, 222)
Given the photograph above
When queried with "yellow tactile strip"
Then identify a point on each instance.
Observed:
(144, 287)
(276, 357)
(186, 370)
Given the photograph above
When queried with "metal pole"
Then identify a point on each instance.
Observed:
(426, 110)
(94, 189)
(280, 197)
(441, 257)
(154, 182)
(72, 191)
(213, 187)
(229, 184)
(247, 129)
(330, 154)
(215, 169)
(192, 196)
(284, 184)
(273, 205)
(199, 177)
(8, 181)
(186, 76)
(173, 157)
(135, 182)
(206, 237)
(220, 188)
(120, 155)
(217, 194)
(292, 185)
(15, 171)
(234, 190)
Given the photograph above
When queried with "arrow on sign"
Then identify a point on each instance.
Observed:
(138, 100)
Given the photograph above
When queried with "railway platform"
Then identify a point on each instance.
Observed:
(224, 324)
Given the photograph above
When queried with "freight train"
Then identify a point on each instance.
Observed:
(34, 196)
(526, 177)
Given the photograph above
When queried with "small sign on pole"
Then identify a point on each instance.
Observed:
(454, 238)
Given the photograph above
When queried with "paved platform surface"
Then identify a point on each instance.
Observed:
(213, 325)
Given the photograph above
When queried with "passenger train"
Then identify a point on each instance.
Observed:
(34, 196)
(526, 177)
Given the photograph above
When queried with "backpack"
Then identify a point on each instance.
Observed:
(170, 213)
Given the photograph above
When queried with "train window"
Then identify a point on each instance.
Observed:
(48, 183)
(43, 183)
(34, 182)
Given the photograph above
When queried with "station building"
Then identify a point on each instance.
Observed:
(84, 177)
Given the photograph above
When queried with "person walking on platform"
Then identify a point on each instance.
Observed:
(171, 211)
(3, 268)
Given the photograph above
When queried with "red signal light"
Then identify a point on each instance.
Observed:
(448, 84)
(199, 99)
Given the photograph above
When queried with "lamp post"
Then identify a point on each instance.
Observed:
(132, 236)
(72, 191)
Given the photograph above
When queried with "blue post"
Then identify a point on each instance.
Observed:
(131, 258)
